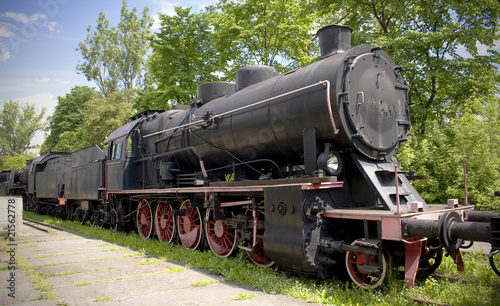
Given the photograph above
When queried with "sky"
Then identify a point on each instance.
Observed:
(38, 41)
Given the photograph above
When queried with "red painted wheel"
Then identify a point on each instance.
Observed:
(259, 257)
(365, 274)
(144, 219)
(164, 225)
(221, 237)
(189, 226)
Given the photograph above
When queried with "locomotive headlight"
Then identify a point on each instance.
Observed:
(330, 162)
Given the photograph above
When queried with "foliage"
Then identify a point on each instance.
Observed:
(266, 32)
(183, 57)
(67, 117)
(471, 138)
(84, 118)
(115, 56)
(18, 124)
(102, 118)
(430, 40)
(17, 161)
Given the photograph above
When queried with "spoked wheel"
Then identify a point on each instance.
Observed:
(113, 220)
(259, 257)
(365, 273)
(189, 226)
(430, 262)
(494, 260)
(221, 237)
(165, 225)
(93, 219)
(144, 219)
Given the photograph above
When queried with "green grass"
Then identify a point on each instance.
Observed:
(202, 283)
(243, 296)
(61, 273)
(103, 299)
(477, 285)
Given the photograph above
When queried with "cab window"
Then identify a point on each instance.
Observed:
(116, 152)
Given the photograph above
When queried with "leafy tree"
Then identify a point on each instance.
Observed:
(267, 32)
(115, 56)
(67, 117)
(183, 57)
(18, 124)
(16, 161)
(470, 139)
(102, 118)
(428, 39)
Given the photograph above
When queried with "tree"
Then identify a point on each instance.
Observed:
(18, 124)
(114, 56)
(102, 118)
(16, 161)
(268, 32)
(183, 57)
(67, 117)
(428, 38)
(472, 139)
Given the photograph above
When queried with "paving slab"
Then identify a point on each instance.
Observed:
(83, 271)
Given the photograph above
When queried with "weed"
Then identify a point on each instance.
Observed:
(243, 296)
(103, 299)
(202, 283)
(152, 261)
(38, 279)
(61, 273)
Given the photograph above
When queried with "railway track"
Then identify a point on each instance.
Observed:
(40, 225)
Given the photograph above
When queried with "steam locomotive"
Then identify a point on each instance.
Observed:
(295, 169)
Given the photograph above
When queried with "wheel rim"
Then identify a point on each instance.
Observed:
(221, 237)
(92, 219)
(144, 219)
(165, 225)
(113, 222)
(259, 257)
(430, 262)
(362, 277)
(189, 226)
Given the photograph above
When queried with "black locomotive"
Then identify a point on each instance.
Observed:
(295, 169)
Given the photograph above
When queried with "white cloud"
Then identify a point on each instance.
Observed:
(42, 80)
(54, 27)
(23, 18)
(5, 31)
(63, 81)
(4, 55)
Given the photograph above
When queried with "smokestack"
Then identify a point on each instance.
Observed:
(333, 39)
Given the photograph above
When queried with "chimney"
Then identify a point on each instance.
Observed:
(334, 39)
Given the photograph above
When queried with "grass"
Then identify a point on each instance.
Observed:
(202, 283)
(103, 299)
(61, 273)
(243, 296)
(477, 285)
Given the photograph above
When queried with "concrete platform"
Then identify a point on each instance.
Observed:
(87, 271)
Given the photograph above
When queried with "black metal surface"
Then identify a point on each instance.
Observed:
(85, 176)
(450, 230)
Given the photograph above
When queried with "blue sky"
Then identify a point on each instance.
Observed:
(38, 39)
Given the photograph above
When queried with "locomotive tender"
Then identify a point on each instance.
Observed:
(295, 169)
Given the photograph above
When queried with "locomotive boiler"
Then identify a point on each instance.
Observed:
(294, 169)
